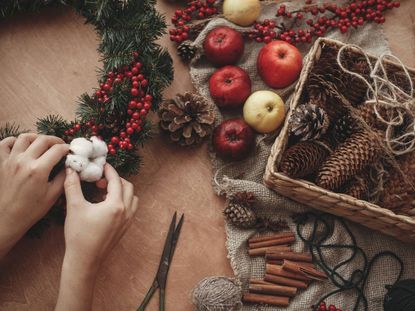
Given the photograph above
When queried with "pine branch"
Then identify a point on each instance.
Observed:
(10, 129)
(52, 125)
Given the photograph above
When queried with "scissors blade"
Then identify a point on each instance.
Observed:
(164, 268)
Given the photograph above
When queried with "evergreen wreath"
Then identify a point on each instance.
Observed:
(135, 71)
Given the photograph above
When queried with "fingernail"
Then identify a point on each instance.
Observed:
(69, 171)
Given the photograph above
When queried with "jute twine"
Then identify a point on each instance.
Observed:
(384, 93)
(217, 294)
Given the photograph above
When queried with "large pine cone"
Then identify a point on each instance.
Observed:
(399, 192)
(188, 118)
(348, 160)
(303, 158)
(309, 122)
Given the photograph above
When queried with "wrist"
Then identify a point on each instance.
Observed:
(77, 265)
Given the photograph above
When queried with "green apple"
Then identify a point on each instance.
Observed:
(264, 111)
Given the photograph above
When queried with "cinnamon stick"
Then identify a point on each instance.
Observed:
(309, 272)
(270, 237)
(275, 255)
(259, 282)
(273, 289)
(273, 242)
(275, 262)
(266, 299)
(279, 271)
(262, 251)
(285, 281)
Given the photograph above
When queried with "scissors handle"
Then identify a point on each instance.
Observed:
(148, 296)
(162, 299)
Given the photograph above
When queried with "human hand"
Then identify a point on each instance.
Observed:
(25, 192)
(91, 231)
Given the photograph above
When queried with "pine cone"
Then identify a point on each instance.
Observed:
(238, 210)
(357, 88)
(188, 118)
(348, 160)
(303, 158)
(309, 122)
(358, 187)
(186, 50)
(344, 128)
(399, 192)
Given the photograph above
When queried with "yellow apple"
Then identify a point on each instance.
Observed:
(264, 111)
(242, 12)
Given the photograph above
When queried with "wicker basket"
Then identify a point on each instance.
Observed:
(365, 213)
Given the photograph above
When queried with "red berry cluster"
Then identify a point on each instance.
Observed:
(353, 14)
(263, 32)
(194, 10)
(138, 107)
(324, 307)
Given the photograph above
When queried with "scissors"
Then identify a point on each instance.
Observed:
(161, 276)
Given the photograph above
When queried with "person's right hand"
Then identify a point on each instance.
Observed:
(91, 231)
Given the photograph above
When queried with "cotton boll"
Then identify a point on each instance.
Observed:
(100, 161)
(81, 146)
(91, 173)
(76, 162)
(99, 147)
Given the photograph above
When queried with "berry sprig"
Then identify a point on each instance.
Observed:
(132, 82)
(182, 18)
(323, 307)
(323, 18)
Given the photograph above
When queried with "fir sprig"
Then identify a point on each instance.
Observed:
(10, 129)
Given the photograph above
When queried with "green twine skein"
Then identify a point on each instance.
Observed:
(400, 296)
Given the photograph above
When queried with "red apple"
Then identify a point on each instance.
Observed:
(223, 46)
(279, 64)
(233, 139)
(230, 86)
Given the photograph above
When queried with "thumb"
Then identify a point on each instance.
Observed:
(73, 190)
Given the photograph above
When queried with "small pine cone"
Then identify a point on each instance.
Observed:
(309, 122)
(188, 118)
(366, 111)
(358, 187)
(399, 192)
(303, 158)
(348, 159)
(238, 210)
(344, 127)
(186, 50)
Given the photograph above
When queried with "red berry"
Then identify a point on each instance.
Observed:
(132, 104)
(77, 127)
(129, 146)
(148, 98)
(332, 308)
(143, 112)
(134, 92)
(112, 151)
(147, 106)
(144, 83)
(135, 71)
(136, 115)
(135, 54)
(130, 130)
(123, 134)
(115, 140)
(135, 84)
(106, 86)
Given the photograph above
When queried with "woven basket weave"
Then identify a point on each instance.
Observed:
(365, 213)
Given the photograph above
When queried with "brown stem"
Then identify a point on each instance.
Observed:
(266, 299)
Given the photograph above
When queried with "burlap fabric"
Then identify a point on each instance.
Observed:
(247, 175)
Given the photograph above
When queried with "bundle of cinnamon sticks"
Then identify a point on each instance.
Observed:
(286, 271)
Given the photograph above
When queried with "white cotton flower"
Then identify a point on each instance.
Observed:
(87, 157)
(81, 146)
(76, 162)
(91, 173)
(99, 147)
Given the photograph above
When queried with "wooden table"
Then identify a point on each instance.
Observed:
(47, 60)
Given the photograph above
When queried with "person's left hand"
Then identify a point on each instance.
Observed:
(26, 195)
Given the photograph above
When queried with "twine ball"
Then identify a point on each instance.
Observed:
(217, 294)
(400, 297)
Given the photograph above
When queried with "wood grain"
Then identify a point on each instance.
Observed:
(47, 60)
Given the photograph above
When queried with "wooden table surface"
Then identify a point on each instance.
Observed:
(47, 60)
